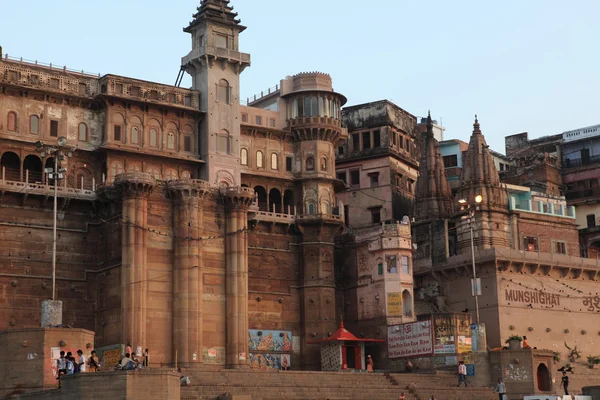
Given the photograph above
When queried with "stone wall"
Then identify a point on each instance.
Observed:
(27, 359)
(117, 385)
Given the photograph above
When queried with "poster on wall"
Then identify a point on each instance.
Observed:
(410, 340)
(262, 340)
(394, 303)
(464, 344)
(443, 327)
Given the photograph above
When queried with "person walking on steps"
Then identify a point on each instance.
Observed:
(462, 373)
(501, 390)
(564, 383)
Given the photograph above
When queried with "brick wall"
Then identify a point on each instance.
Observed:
(548, 230)
(26, 251)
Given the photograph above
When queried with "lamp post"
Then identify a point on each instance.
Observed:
(471, 207)
(60, 152)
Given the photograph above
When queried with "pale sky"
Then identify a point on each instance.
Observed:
(521, 65)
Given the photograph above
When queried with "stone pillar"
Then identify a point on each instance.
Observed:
(188, 196)
(317, 285)
(51, 313)
(135, 189)
(237, 201)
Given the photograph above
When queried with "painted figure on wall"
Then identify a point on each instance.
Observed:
(287, 343)
(269, 340)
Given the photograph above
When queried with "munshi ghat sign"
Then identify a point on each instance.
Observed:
(532, 297)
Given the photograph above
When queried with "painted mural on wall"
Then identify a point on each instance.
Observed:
(262, 340)
(268, 361)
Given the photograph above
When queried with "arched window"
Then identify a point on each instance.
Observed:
(274, 161)
(135, 135)
(314, 107)
(171, 141)
(310, 163)
(407, 304)
(170, 174)
(259, 159)
(82, 132)
(155, 172)
(116, 168)
(323, 163)
(223, 91)
(224, 142)
(310, 208)
(134, 168)
(153, 137)
(244, 156)
(11, 124)
(34, 124)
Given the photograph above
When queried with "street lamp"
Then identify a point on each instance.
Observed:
(471, 207)
(60, 152)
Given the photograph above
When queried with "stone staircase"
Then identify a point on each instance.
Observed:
(304, 385)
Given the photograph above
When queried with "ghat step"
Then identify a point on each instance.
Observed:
(304, 385)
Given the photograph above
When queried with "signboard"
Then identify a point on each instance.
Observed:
(444, 349)
(394, 303)
(470, 369)
(410, 340)
(464, 344)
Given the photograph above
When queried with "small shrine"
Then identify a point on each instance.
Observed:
(342, 350)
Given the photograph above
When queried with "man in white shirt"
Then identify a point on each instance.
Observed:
(81, 361)
(462, 373)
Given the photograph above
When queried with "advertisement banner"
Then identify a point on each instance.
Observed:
(410, 340)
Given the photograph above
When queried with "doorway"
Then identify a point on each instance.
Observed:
(543, 378)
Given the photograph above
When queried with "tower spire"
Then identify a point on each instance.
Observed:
(433, 194)
(476, 127)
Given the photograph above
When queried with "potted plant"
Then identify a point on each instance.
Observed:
(574, 354)
(556, 356)
(514, 342)
(593, 361)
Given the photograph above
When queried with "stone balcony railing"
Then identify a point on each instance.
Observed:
(48, 77)
(300, 121)
(61, 80)
(217, 52)
(10, 182)
(124, 87)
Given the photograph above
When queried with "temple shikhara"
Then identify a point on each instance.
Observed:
(229, 233)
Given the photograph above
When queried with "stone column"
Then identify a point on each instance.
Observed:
(317, 285)
(237, 201)
(188, 196)
(135, 189)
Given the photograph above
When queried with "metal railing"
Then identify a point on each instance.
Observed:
(62, 68)
(262, 94)
(582, 194)
(581, 162)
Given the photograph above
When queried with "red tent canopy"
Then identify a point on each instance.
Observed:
(342, 335)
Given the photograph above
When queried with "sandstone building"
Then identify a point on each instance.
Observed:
(187, 223)
(221, 234)
(526, 245)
